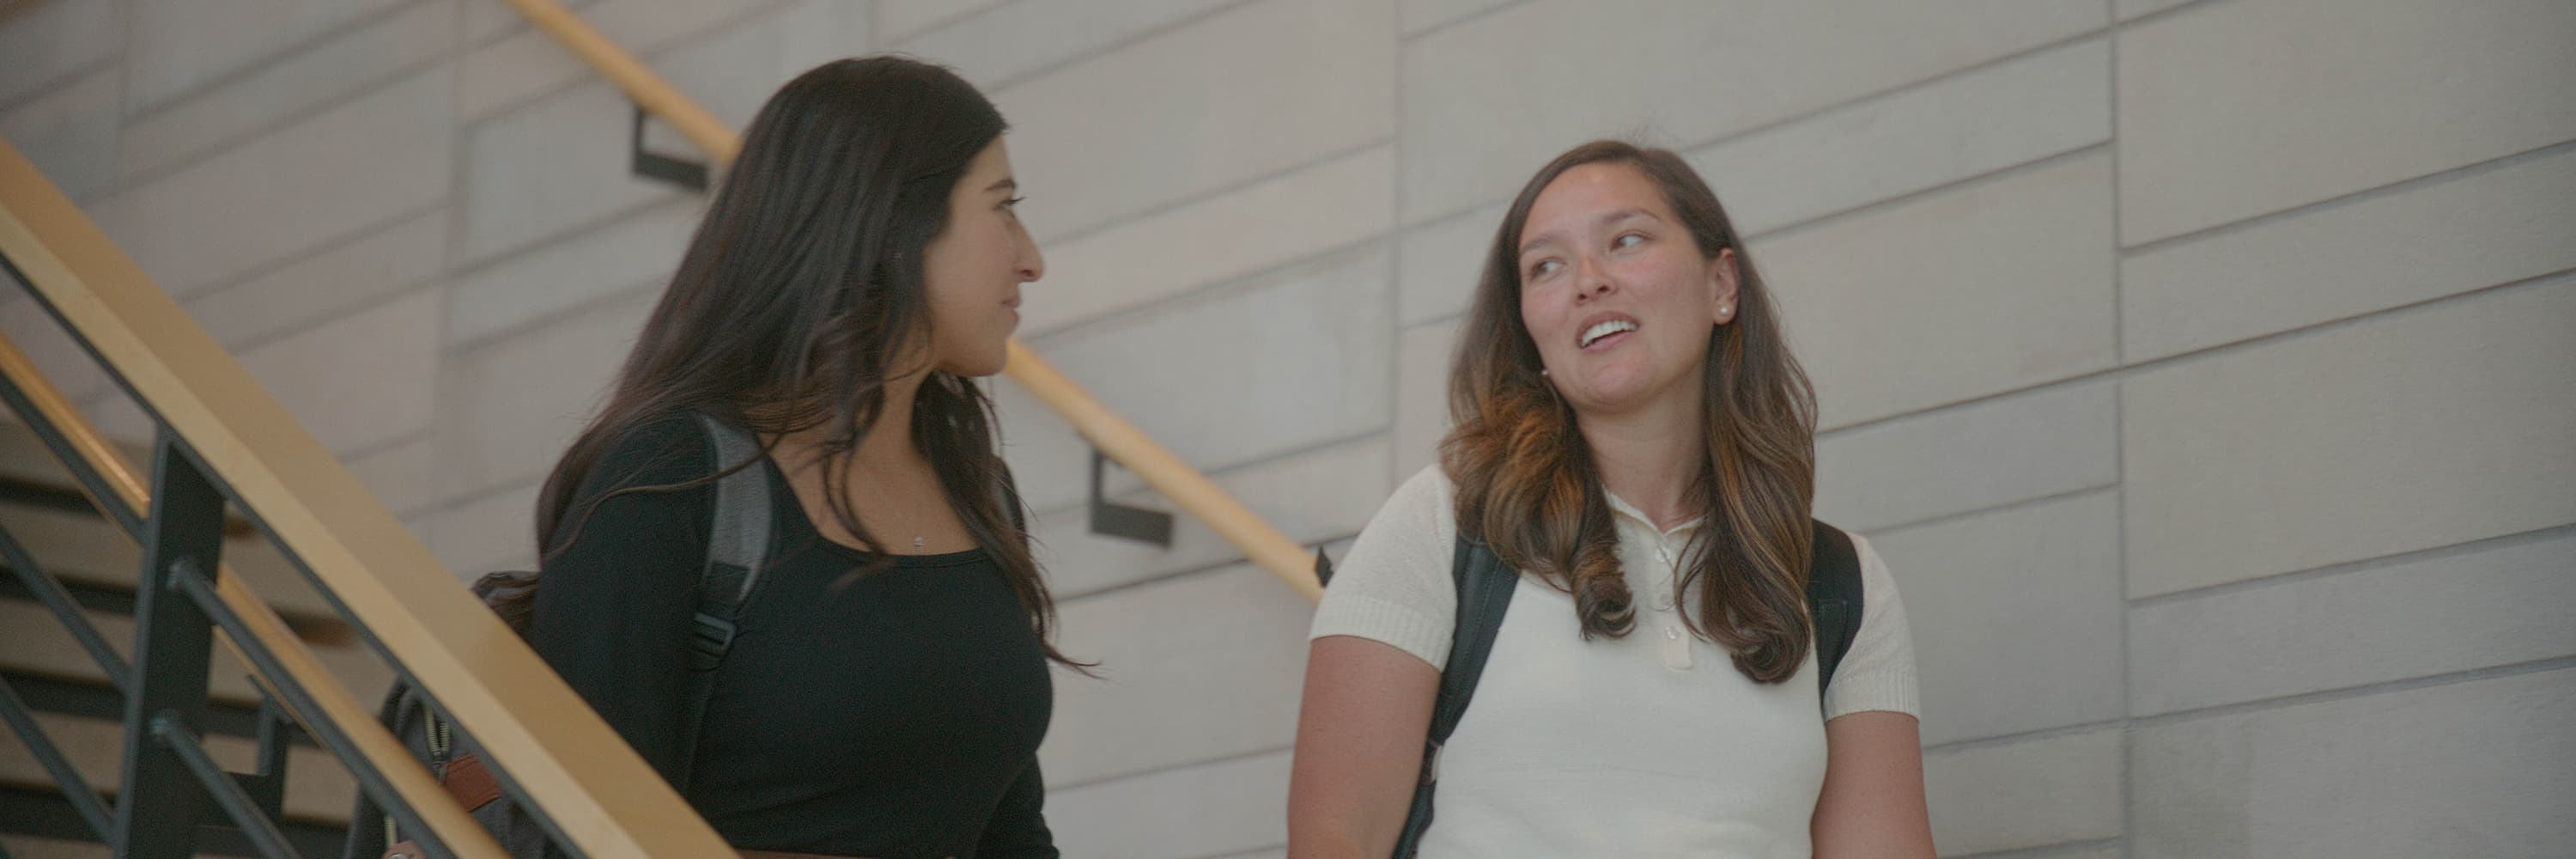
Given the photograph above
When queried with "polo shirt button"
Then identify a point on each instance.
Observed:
(1672, 634)
(1664, 601)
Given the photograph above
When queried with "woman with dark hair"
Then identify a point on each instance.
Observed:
(1631, 434)
(886, 685)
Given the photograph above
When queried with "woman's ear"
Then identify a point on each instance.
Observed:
(1722, 280)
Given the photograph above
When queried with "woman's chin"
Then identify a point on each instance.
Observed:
(1609, 399)
(975, 367)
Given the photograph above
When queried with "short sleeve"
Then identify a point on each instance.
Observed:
(1878, 672)
(1395, 588)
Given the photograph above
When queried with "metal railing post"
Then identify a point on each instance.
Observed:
(159, 803)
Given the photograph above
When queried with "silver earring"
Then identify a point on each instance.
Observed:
(1542, 371)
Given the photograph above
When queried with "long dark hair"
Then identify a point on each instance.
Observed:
(1527, 484)
(802, 293)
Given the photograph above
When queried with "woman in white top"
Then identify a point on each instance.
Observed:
(1632, 432)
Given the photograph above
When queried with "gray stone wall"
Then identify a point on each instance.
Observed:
(2206, 369)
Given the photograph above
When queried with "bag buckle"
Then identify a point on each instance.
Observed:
(712, 636)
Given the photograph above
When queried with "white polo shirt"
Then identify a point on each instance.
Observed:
(1652, 744)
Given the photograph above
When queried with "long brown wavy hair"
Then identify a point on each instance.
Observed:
(1528, 488)
(802, 293)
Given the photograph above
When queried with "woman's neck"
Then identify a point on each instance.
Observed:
(1649, 457)
(886, 443)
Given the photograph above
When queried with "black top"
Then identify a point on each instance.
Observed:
(897, 715)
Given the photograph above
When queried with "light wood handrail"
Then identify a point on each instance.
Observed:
(606, 799)
(1185, 486)
(1117, 439)
(634, 77)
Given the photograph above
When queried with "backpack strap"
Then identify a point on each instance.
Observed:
(737, 540)
(1834, 598)
(737, 552)
(1484, 594)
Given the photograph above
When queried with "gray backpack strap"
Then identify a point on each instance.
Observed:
(737, 540)
(737, 551)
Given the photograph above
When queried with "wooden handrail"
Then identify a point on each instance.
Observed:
(606, 799)
(633, 76)
(1117, 439)
(1188, 489)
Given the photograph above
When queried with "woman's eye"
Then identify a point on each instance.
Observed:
(1544, 268)
(1628, 240)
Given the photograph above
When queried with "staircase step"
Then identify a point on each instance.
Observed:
(33, 847)
(33, 642)
(92, 698)
(318, 788)
(28, 466)
(40, 825)
(83, 547)
(24, 457)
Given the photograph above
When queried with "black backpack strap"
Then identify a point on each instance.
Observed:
(1484, 593)
(1834, 597)
(737, 551)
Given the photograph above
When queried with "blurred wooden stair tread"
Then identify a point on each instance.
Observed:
(65, 837)
(82, 542)
(33, 642)
(92, 697)
(33, 847)
(25, 461)
(318, 789)
(80, 547)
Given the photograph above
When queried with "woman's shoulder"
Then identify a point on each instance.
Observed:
(1427, 493)
(1412, 536)
(1872, 567)
(1394, 585)
(663, 449)
(1877, 672)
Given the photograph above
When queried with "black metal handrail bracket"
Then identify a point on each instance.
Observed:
(690, 175)
(1110, 518)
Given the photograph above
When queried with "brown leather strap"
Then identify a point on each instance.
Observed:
(471, 784)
